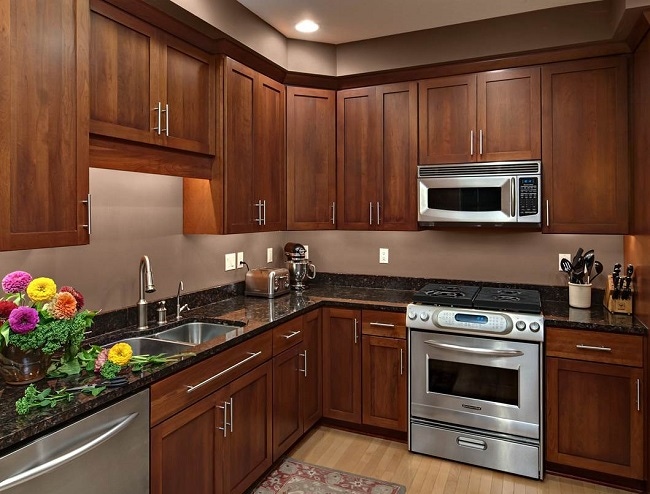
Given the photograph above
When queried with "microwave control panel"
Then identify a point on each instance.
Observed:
(528, 196)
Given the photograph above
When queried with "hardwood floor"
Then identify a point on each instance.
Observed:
(391, 461)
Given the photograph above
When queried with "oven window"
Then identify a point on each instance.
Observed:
(465, 199)
(474, 381)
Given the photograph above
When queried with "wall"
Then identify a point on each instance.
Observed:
(136, 214)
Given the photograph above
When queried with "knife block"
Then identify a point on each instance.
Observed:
(617, 305)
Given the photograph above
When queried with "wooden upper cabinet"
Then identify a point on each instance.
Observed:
(585, 151)
(490, 116)
(254, 151)
(377, 157)
(147, 86)
(311, 159)
(43, 123)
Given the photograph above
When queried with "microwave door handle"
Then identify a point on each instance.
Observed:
(475, 351)
(513, 197)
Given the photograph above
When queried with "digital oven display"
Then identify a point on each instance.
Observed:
(471, 318)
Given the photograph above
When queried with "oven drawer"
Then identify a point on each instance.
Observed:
(503, 454)
(593, 346)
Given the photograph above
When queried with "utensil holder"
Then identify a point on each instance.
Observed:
(614, 301)
(580, 295)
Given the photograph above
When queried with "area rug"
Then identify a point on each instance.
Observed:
(296, 477)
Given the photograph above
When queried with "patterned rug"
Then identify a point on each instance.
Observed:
(295, 477)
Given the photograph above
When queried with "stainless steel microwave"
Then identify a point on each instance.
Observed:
(505, 193)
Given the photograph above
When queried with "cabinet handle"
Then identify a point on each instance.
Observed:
(264, 212)
(382, 324)
(90, 208)
(304, 355)
(378, 214)
(370, 212)
(547, 220)
(290, 335)
(219, 374)
(401, 362)
(258, 205)
(333, 213)
(596, 348)
(638, 395)
(166, 112)
(225, 419)
(480, 142)
(356, 333)
(471, 143)
(158, 109)
(231, 412)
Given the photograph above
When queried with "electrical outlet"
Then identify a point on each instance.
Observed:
(306, 251)
(269, 254)
(383, 255)
(230, 261)
(240, 260)
(560, 257)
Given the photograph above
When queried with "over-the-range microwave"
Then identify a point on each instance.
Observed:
(504, 193)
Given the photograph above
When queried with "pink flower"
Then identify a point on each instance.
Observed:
(6, 307)
(101, 359)
(16, 282)
(23, 319)
(78, 296)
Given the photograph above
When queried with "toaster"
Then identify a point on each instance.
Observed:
(267, 282)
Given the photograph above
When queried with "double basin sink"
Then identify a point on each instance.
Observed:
(180, 338)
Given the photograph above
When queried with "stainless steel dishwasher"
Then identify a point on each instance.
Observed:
(106, 452)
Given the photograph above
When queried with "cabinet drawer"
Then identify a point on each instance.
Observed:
(593, 346)
(286, 335)
(382, 323)
(188, 386)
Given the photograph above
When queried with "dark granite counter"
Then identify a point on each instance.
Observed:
(252, 317)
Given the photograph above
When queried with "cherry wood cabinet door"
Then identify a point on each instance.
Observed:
(447, 109)
(269, 164)
(384, 382)
(585, 165)
(595, 417)
(311, 159)
(287, 403)
(312, 382)
(356, 150)
(43, 123)
(183, 451)
(508, 114)
(246, 451)
(342, 364)
(398, 150)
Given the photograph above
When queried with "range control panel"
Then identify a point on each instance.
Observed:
(494, 324)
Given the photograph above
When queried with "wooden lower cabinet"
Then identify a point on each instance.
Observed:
(594, 403)
(220, 444)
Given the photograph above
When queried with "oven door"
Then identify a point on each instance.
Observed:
(475, 200)
(483, 383)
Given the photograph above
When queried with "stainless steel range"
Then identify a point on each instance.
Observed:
(475, 370)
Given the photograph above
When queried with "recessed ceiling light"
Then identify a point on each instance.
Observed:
(307, 26)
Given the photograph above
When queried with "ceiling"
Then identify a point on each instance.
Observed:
(344, 21)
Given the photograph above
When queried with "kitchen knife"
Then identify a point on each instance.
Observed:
(628, 281)
(615, 280)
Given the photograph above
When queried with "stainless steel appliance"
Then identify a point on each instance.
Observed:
(104, 453)
(475, 374)
(298, 265)
(267, 282)
(491, 194)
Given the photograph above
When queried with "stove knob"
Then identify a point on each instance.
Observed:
(534, 327)
(412, 315)
(520, 325)
(424, 316)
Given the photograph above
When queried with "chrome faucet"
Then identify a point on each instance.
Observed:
(146, 285)
(180, 309)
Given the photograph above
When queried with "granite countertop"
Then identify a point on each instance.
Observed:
(254, 316)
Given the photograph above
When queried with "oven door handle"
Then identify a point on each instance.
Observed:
(476, 351)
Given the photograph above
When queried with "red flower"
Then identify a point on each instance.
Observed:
(6, 307)
(77, 296)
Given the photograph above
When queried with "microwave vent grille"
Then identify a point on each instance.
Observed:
(481, 169)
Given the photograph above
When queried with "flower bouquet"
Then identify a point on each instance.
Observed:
(37, 321)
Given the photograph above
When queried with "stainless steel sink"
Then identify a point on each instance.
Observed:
(195, 333)
(152, 346)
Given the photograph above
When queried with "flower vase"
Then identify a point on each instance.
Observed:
(19, 367)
